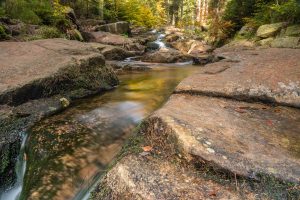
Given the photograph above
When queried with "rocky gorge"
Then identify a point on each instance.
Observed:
(230, 129)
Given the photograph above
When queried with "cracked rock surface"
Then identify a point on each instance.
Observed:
(268, 75)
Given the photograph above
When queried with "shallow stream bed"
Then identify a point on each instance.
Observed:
(66, 154)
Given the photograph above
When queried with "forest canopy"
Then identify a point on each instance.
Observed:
(223, 16)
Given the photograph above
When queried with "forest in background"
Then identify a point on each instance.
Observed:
(222, 18)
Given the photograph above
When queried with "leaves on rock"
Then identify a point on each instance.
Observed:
(147, 148)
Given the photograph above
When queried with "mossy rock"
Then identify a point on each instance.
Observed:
(286, 42)
(293, 30)
(269, 30)
(266, 42)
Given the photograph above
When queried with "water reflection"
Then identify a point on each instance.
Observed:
(67, 151)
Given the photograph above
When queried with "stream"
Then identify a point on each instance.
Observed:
(66, 154)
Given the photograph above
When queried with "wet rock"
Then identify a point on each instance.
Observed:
(144, 39)
(268, 75)
(121, 27)
(113, 39)
(286, 42)
(166, 55)
(128, 66)
(111, 52)
(9, 150)
(13, 122)
(242, 138)
(29, 70)
(270, 30)
(141, 178)
(152, 46)
(172, 37)
(192, 47)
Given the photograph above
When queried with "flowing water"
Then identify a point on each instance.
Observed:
(159, 40)
(68, 152)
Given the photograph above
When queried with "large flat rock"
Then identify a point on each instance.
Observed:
(41, 68)
(136, 177)
(269, 75)
(242, 138)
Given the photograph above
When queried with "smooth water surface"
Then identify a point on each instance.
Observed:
(66, 153)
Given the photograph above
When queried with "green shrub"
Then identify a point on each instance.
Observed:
(287, 11)
(62, 23)
(49, 32)
(2, 11)
(236, 11)
(21, 9)
(3, 34)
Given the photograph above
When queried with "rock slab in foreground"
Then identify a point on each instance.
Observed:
(242, 138)
(42, 68)
(141, 178)
(37, 69)
(268, 75)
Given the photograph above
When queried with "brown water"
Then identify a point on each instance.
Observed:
(67, 153)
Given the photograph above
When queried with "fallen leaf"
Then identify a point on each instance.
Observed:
(269, 122)
(244, 107)
(147, 148)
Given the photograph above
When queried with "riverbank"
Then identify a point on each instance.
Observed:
(230, 131)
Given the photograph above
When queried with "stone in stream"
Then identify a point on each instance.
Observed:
(111, 52)
(115, 40)
(192, 47)
(120, 67)
(268, 75)
(136, 177)
(166, 55)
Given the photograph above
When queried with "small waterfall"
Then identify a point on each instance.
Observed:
(14, 192)
(159, 41)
